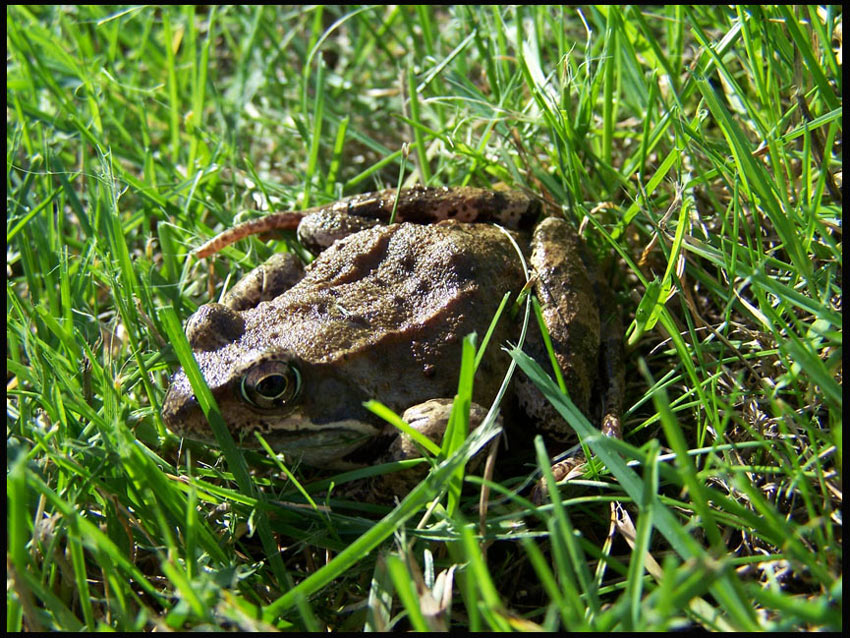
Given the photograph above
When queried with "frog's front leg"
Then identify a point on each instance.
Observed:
(431, 419)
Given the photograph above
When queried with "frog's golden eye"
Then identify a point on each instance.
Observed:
(271, 385)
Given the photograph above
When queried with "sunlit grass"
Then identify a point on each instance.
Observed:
(697, 147)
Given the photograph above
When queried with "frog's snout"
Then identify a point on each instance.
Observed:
(179, 405)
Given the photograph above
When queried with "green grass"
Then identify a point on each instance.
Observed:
(699, 146)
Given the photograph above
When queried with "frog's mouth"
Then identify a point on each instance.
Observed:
(316, 444)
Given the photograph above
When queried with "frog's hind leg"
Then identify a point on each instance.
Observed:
(321, 226)
(571, 315)
(609, 389)
(273, 277)
(584, 325)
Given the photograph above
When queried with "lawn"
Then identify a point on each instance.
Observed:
(697, 150)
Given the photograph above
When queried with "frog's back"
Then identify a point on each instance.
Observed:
(389, 307)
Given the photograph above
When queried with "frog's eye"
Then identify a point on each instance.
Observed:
(271, 385)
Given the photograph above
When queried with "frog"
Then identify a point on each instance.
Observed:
(293, 352)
